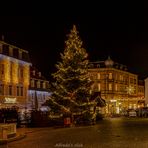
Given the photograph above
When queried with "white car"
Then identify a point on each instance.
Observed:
(132, 113)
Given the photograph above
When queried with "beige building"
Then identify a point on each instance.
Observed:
(146, 91)
(14, 75)
(118, 87)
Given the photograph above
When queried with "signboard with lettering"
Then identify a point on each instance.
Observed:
(10, 100)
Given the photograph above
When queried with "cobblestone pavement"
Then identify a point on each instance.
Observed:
(109, 133)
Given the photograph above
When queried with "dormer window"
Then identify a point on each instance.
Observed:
(10, 51)
(39, 74)
(33, 72)
(20, 54)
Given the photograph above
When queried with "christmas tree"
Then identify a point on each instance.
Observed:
(72, 84)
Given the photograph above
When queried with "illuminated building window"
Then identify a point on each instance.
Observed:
(131, 80)
(121, 77)
(110, 86)
(1, 89)
(39, 74)
(19, 91)
(99, 76)
(10, 89)
(32, 83)
(110, 76)
(33, 72)
(116, 87)
(38, 84)
(99, 87)
(44, 85)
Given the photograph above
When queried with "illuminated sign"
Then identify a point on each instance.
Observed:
(10, 100)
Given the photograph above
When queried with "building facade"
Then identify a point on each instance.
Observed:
(14, 75)
(38, 91)
(146, 91)
(118, 87)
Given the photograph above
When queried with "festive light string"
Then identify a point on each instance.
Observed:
(72, 70)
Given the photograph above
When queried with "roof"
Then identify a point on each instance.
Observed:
(14, 51)
(36, 74)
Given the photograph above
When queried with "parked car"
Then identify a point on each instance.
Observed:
(132, 113)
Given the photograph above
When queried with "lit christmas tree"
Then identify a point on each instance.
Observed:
(72, 85)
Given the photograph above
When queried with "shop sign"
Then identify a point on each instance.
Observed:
(10, 100)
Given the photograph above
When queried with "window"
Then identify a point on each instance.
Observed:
(21, 91)
(10, 51)
(33, 72)
(39, 74)
(110, 86)
(95, 87)
(10, 89)
(20, 54)
(11, 69)
(99, 87)
(131, 80)
(2, 69)
(32, 83)
(1, 50)
(116, 87)
(18, 91)
(44, 85)
(134, 81)
(20, 72)
(121, 78)
(6, 49)
(110, 76)
(38, 84)
(15, 52)
(99, 76)
(1, 89)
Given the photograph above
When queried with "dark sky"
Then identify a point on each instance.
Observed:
(116, 29)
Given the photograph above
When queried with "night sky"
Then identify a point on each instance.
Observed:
(116, 29)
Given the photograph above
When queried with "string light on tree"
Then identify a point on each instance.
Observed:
(72, 84)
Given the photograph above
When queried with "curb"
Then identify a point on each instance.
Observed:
(18, 137)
